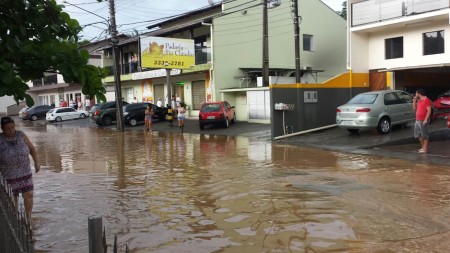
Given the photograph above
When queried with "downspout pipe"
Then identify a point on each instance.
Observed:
(211, 70)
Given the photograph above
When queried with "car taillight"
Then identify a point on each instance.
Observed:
(363, 110)
(338, 110)
(96, 113)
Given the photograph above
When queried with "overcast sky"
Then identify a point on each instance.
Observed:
(134, 15)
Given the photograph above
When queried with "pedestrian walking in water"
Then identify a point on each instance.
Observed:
(15, 166)
(149, 112)
(181, 116)
(422, 106)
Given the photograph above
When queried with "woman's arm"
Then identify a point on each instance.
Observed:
(33, 152)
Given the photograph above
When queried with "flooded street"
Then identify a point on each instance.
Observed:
(172, 192)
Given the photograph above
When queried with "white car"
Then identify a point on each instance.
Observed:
(65, 113)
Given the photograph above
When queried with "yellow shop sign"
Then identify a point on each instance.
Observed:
(169, 53)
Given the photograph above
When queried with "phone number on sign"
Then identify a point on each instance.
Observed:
(168, 63)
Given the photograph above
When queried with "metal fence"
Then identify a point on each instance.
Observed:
(15, 230)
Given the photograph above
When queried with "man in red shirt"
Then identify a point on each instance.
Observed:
(422, 106)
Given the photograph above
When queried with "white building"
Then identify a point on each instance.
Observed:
(401, 44)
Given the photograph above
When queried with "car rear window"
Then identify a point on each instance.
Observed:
(363, 99)
(211, 108)
(95, 108)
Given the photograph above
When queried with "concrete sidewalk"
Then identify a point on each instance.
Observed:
(400, 143)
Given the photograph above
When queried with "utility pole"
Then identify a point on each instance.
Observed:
(169, 97)
(297, 43)
(265, 65)
(117, 69)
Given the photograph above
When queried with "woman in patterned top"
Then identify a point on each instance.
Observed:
(15, 167)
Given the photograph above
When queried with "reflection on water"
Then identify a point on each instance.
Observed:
(171, 192)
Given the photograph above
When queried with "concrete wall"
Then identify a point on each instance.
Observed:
(5, 102)
(305, 116)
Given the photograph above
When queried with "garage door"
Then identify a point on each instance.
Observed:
(198, 94)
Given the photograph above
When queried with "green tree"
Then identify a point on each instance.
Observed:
(37, 37)
(343, 12)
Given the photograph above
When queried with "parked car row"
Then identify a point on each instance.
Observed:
(103, 114)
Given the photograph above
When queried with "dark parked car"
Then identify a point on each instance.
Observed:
(135, 113)
(104, 114)
(213, 113)
(36, 112)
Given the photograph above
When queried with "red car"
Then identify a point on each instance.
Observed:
(216, 113)
(442, 105)
(443, 100)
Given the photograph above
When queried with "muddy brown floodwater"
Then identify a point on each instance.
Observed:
(172, 192)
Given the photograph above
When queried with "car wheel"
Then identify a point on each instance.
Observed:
(384, 126)
(227, 123)
(58, 119)
(107, 121)
(234, 119)
(82, 116)
(202, 126)
(132, 122)
(33, 117)
(353, 131)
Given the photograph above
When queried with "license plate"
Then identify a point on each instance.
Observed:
(348, 123)
(211, 117)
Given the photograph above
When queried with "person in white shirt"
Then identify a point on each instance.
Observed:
(87, 104)
(181, 116)
(134, 100)
(159, 103)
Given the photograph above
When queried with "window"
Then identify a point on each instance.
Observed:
(391, 99)
(394, 48)
(404, 97)
(363, 99)
(308, 42)
(433, 43)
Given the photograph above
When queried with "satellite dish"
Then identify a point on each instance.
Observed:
(211, 2)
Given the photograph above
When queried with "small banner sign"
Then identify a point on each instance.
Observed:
(169, 53)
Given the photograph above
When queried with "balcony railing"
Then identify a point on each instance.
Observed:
(47, 80)
(202, 56)
(373, 11)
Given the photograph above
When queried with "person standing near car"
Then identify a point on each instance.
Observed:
(148, 118)
(87, 103)
(159, 103)
(422, 106)
(15, 167)
(181, 116)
